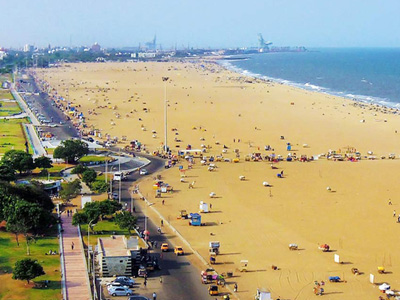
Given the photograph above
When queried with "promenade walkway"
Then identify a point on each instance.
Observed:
(76, 280)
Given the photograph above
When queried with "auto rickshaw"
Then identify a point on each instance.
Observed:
(213, 290)
(183, 214)
(243, 265)
(213, 258)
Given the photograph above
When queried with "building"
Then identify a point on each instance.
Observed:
(143, 55)
(28, 48)
(118, 255)
(3, 53)
(95, 47)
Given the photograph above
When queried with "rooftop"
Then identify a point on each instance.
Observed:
(118, 245)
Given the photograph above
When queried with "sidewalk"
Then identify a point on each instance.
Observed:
(76, 279)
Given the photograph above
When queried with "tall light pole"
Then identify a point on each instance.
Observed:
(88, 235)
(165, 79)
(120, 176)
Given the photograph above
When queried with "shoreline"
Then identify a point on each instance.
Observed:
(363, 99)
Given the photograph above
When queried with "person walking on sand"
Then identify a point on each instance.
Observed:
(72, 246)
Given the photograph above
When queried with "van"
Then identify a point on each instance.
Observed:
(117, 176)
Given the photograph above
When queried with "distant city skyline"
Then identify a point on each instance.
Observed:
(206, 23)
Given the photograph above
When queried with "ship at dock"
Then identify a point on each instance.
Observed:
(264, 47)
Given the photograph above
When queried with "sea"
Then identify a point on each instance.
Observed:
(364, 74)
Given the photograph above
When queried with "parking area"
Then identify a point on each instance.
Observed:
(153, 284)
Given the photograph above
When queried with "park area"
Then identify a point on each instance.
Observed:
(12, 135)
(17, 289)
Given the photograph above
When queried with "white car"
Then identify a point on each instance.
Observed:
(143, 172)
(119, 291)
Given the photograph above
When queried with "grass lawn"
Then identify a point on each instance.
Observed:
(10, 253)
(5, 94)
(54, 172)
(94, 158)
(9, 108)
(12, 135)
(107, 227)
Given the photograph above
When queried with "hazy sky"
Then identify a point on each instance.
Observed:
(202, 23)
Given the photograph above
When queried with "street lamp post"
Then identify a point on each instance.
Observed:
(165, 79)
(88, 235)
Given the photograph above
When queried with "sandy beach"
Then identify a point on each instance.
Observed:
(214, 107)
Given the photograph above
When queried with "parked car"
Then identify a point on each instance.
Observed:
(120, 291)
(138, 298)
(125, 281)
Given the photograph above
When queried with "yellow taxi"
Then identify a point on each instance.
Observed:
(178, 250)
(164, 247)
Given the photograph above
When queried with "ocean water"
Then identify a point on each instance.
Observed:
(364, 74)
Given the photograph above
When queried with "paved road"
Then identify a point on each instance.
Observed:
(181, 280)
(40, 104)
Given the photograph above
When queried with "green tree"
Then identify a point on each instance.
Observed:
(32, 193)
(7, 173)
(18, 160)
(125, 220)
(71, 150)
(43, 162)
(79, 218)
(24, 217)
(95, 211)
(70, 190)
(89, 176)
(79, 169)
(27, 269)
(99, 186)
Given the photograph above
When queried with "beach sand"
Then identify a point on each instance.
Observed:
(215, 107)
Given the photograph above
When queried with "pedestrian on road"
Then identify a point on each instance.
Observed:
(68, 213)
(394, 213)
(154, 296)
(162, 223)
(134, 209)
(235, 287)
(160, 279)
(390, 202)
(163, 201)
(145, 282)
(72, 245)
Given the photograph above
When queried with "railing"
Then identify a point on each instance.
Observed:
(83, 256)
(62, 262)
